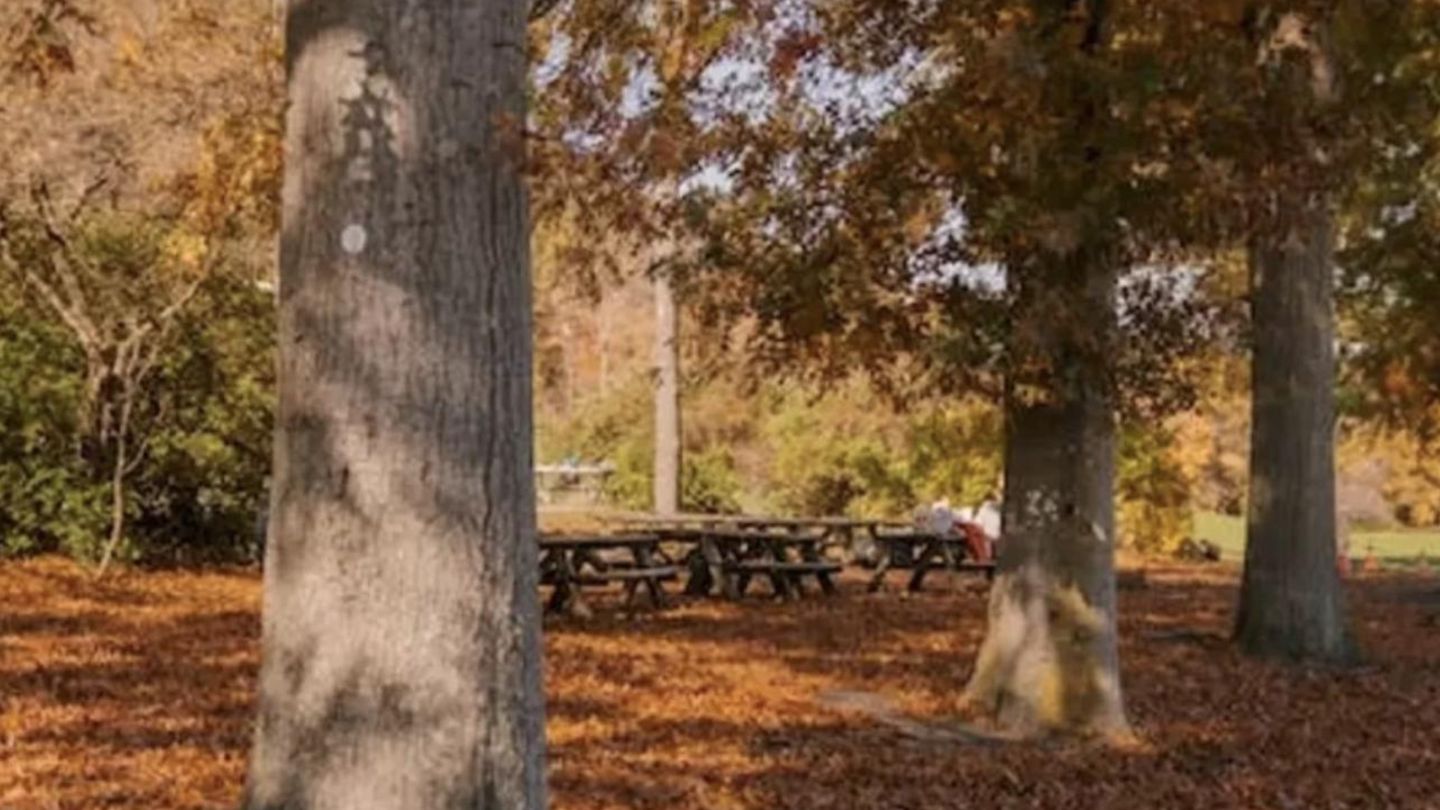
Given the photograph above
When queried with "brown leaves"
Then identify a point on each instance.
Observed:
(137, 693)
(792, 48)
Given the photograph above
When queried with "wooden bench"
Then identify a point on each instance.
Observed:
(570, 562)
(632, 579)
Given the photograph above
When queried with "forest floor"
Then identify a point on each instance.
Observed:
(136, 692)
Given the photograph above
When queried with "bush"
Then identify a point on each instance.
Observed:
(1154, 514)
(619, 428)
(851, 453)
(47, 502)
(709, 482)
(205, 437)
(198, 494)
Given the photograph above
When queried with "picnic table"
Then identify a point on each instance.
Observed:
(571, 562)
(922, 551)
(724, 560)
(727, 560)
(832, 530)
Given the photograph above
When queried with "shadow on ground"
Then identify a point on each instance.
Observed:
(138, 694)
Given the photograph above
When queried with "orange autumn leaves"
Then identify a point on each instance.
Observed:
(136, 693)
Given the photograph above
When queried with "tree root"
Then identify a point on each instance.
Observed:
(882, 710)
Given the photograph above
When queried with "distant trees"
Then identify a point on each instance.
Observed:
(401, 640)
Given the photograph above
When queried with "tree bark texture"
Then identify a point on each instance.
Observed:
(1291, 600)
(1049, 662)
(667, 397)
(401, 656)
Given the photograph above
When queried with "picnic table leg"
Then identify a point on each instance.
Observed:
(559, 598)
(780, 581)
(813, 553)
(645, 559)
(554, 564)
(700, 583)
(715, 560)
(922, 565)
(952, 563)
(887, 553)
(567, 598)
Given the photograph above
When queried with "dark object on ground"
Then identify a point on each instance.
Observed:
(1192, 550)
(1131, 579)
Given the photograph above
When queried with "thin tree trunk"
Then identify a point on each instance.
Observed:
(667, 397)
(1291, 601)
(1049, 661)
(400, 648)
(120, 467)
(117, 504)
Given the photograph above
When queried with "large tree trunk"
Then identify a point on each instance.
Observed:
(1291, 600)
(1049, 662)
(667, 397)
(401, 658)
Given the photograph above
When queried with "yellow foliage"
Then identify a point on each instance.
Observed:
(1154, 491)
(1412, 471)
(186, 251)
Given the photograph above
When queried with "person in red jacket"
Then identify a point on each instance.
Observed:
(980, 544)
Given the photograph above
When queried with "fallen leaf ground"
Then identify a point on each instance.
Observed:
(136, 693)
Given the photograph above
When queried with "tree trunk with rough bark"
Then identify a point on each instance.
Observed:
(1049, 662)
(667, 397)
(1291, 599)
(401, 648)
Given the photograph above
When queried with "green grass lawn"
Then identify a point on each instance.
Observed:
(1393, 547)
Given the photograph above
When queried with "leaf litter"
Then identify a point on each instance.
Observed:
(137, 692)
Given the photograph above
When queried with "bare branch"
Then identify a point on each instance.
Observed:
(143, 449)
(77, 322)
(87, 194)
(73, 308)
